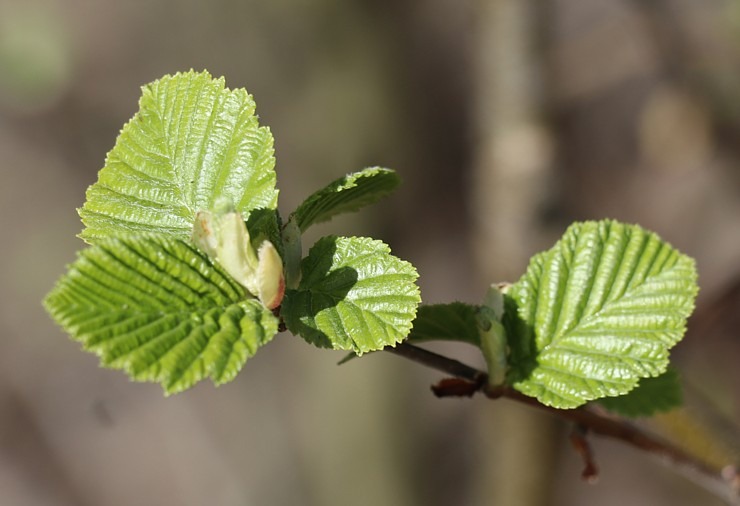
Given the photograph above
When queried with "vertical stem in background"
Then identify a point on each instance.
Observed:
(512, 152)
(512, 159)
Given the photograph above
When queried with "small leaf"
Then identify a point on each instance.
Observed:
(651, 396)
(264, 224)
(596, 313)
(159, 309)
(346, 194)
(353, 295)
(446, 322)
(292, 253)
(191, 142)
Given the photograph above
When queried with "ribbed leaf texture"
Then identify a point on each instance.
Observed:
(346, 194)
(652, 395)
(446, 322)
(160, 310)
(596, 313)
(192, 140)
(353, 295)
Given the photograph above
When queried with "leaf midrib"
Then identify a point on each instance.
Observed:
(586, 321)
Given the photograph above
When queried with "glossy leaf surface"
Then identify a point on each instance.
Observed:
(597, 313)
(353, 295)
(191, 142)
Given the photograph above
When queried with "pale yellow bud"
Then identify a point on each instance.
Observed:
(224, 237)
(235, 253)
(204, 233)
(270, 277)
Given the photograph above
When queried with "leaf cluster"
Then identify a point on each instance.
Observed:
(592, 318)
(148, 301)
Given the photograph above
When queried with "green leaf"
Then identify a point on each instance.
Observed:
(353, 295)
(652, 395)
(264, 224)
(192, 141)
(596, 313)
(346, 194)
(160, 310)
(446, 322)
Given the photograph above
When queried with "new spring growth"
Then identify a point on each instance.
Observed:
(223, 235)
(493, 334)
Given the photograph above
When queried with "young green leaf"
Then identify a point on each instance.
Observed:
(353, 295)
(159, 309)
(596, 313)
(652, 395)
(191, 142)
(346, 194)
(265, 224)
(455, 321)
(293, 252)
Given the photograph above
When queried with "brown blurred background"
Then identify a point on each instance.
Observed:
(507, 119)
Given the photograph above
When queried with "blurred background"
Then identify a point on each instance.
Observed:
(507, 120)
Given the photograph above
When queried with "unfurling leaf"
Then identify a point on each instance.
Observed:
(346, 194)
(493, 340)
(291, 239)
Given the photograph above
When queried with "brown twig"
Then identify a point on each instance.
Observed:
(724, 483)
(581, 444)
(438, 362)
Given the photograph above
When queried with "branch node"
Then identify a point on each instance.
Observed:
(474, 380)
(495, 392)
(581, 444)
(455, 387)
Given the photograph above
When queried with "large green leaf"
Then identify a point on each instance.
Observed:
(652, 395)
(353, 295)
(346, 194)
(192, 141)
(159, 309)
(596, 313)
(455, 321)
